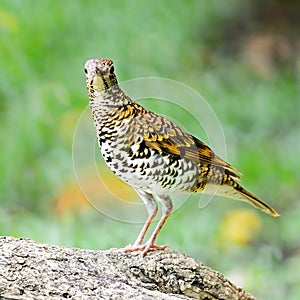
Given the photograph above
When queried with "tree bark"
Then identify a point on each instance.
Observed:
(29, 270)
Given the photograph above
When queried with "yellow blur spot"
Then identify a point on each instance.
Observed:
(102, 191)
(239, 227)
(8, 21)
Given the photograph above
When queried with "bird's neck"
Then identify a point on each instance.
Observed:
(108, 100)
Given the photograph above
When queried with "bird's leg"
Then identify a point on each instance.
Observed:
(151, 207)
(152, 211)
(167, 207)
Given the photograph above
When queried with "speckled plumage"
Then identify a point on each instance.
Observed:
(152, 154)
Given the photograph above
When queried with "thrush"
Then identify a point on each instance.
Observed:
(154, 155)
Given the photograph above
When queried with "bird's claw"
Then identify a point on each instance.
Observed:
(144, 248)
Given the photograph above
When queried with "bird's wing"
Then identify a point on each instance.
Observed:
(163, 135)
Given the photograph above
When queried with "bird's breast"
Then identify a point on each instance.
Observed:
(148, 169)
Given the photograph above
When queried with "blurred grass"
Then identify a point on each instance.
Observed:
(43, 47)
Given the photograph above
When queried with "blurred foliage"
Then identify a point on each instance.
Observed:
(245, 64)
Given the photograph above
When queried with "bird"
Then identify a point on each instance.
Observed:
(153, 154)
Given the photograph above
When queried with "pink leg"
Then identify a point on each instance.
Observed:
(145, 228)
(151, 207)
(167, 207)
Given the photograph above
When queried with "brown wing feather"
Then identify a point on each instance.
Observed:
(165, 136)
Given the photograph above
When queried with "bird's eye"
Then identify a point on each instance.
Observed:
(85, 71)
(112, 70)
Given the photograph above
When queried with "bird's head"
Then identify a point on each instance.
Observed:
(100, 74)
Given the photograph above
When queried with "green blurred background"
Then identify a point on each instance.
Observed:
(242, 56)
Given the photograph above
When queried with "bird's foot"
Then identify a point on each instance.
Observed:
(144, 248)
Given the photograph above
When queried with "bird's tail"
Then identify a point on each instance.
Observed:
(232, 189)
